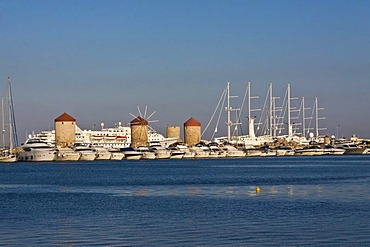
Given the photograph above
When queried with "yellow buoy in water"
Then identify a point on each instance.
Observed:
(258, 189)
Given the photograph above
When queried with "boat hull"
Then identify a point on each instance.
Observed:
(103, 156)
(177, 155)
(68, 156)
(8, 159)
(117, 156)
(87, 156)
(133, 155)
(148, 156)
(37, 156)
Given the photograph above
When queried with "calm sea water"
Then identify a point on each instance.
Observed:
(303, 201)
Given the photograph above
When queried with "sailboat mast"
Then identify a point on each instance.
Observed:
(2, 122)
(303, 119)
(10, 117)
(316, 117)
(228, 113)
(251, 119)
(249, 100)
(288, 105)
(271, 108)
(274, 125)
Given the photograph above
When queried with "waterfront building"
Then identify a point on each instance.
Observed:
(173, 132)
(139, 132)
(65, 130)
(192, 132)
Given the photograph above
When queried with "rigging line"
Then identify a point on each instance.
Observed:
(219, 115)
(214, 112)
(241, 108)
(262, 114)
(241, 125)
(236, 129)
(264, 130)
(299, 110)
(15, 135)
(283, 112)
(311, 118)
(299, 115)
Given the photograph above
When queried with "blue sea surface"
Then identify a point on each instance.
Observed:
(319, 201)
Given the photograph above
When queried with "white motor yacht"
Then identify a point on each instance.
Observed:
(6, 156)
(215, 151)
(131, 154)
(329, 149)
(102, 153)
(352, 148)
(147, 153)
(36, 150)
(160, 152)
(252, 152)
(267, 153)
(310, 151)
(233, 152)
(201, 152)
(176, 153)
(116, 154)
(284, 151)
(87, 153)
(67, 154)
(188, 153)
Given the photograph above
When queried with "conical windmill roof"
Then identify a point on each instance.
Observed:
(65, 118)
(139, 121)
(192, 122)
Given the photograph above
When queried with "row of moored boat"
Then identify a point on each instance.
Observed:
(37, 150)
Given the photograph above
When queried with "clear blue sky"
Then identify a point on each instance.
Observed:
(98, 60)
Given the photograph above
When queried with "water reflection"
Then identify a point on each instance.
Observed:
(329, 191)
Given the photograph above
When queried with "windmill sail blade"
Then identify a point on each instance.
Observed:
(138, 108)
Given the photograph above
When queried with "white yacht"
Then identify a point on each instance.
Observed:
(329, 149)
(310, 151)
(284, 151)
(116, 154)
(6, 156)
(131, 154)
(102, 153)
(47, 136)
(147, 153)
(233, 152)
(200, 151)
(252, 152)
(160, 151)
(352, 148)
(67, 154)
(267, 152)
(215, 151)
(36, 150)
(188, 154)
(87, 153)
(176, 153)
